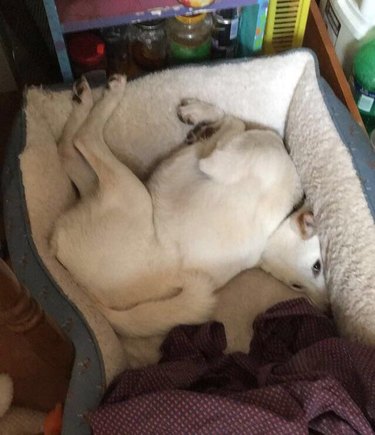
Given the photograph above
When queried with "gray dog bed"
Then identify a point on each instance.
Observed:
(332, 154)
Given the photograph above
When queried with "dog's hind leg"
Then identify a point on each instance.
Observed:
(113, 175)
(77, 168)
(192, 305)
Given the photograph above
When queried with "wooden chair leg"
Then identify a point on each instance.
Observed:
(33, 350)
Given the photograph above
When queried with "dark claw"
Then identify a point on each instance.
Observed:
(190, 138)
(76, 99)
(78, 89)
(185, 101)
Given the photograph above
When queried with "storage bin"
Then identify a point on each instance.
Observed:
(286, 23)
(347, 24)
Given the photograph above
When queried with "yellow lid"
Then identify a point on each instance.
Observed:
(191, 19)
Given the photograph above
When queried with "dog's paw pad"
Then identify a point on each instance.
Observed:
(116, 83)
(201, 131)
(82, 92)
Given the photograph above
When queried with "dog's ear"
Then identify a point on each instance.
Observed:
(305, 222)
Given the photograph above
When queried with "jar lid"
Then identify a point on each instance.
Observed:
(191, 19)
(150, 25)
(86, 48)
(196, 3)
(228, 14)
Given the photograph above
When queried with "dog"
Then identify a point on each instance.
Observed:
(238, 304)
(152, 254)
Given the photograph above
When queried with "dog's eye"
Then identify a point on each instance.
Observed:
(297, 286)
(316, 268)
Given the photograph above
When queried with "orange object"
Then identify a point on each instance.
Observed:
(53, 421)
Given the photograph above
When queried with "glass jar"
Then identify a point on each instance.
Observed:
(149, 44)
(87, 53)
(189, 38)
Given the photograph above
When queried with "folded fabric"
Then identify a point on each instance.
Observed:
(298, 377)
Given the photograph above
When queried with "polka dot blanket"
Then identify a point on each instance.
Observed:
(299, 377)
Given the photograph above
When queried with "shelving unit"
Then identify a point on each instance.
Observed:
(79, 15)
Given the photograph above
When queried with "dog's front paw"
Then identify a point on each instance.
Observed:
(193, 111)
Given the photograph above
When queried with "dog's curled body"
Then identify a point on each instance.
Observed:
(152, 255)
(221, 209)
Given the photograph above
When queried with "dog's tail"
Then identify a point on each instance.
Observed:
(192, 305)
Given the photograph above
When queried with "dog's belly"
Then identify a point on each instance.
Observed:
(222, 251)
(219, 236)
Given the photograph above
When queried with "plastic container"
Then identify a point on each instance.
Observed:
(251, 28)
(286, 24)
(347, 23)
(87, 53)
(364, 84)
(224, 32)
(149, 44)
(189, 38)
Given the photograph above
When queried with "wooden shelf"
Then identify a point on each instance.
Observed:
(81, 15)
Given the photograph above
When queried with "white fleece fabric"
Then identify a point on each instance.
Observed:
(280, 92)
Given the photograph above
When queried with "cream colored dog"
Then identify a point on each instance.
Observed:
(152, 255)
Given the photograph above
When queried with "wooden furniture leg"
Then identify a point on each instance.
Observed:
(33, 350)
(317, 38)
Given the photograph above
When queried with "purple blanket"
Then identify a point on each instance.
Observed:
(299, 377)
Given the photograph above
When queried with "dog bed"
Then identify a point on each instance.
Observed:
(285, 92)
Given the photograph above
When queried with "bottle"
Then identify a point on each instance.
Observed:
(149, 44)
(364, 83)
(224, 32)
(189, 38)
(116, 44)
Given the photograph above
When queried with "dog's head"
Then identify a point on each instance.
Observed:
(293, 255)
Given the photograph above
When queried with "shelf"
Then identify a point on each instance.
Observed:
(67, 16)
(79, 15)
